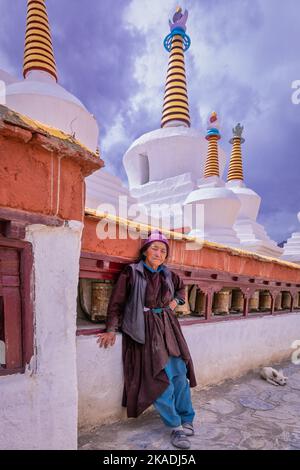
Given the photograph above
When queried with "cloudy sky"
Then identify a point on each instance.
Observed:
(244, 58)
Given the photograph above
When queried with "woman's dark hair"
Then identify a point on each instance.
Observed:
(142, 253)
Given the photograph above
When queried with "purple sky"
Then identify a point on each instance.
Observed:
(243, 59)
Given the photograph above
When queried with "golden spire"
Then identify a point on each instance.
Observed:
(213, 135)
(235, 171)
(176, 106)
(38, 45)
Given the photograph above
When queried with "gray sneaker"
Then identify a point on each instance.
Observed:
(179, 439)
(188, 429)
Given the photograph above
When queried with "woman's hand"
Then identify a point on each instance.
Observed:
(173, 304)
(106, 339)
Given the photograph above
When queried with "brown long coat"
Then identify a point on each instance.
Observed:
(144, 375)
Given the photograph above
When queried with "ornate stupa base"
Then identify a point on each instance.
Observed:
(253, 237)
(103, 188)
(291, 249)
(214, 209)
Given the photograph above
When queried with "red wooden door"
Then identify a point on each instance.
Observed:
(10, 307)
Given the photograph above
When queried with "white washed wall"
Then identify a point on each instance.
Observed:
(38, 409)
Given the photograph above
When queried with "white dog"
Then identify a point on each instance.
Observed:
(273, 376)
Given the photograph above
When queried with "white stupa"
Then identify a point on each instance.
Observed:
(39, 96)
(251, 234)
(291, 249)
(7, 78)
(218, 205)
(164, 166)
(106, 192)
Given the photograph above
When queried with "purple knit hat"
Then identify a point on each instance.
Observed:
(155, 236)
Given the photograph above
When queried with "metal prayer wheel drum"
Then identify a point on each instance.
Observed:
(196, 300)
(185, 308)
(237, 300)
(265, 300)
(221, 302)
(200, 303)
(286, 300)
(192, 297)
(101, 292)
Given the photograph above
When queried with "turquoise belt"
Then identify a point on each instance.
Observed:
(154, 310)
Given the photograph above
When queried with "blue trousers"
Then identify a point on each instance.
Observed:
(175, 405)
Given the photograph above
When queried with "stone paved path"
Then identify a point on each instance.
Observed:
(245, 413)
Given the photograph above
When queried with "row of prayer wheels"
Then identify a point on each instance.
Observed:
(232, 301)
(94, 298)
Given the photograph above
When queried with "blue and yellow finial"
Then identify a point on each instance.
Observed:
(178, 27)
(213, 126)
(176, 107)
(212, 135)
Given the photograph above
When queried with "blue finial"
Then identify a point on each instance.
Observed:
(178, 27)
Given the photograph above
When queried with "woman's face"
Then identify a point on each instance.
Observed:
(156, 254)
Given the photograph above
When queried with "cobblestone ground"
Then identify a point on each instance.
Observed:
(245, 413)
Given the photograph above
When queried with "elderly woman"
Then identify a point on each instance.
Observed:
(156, 358)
